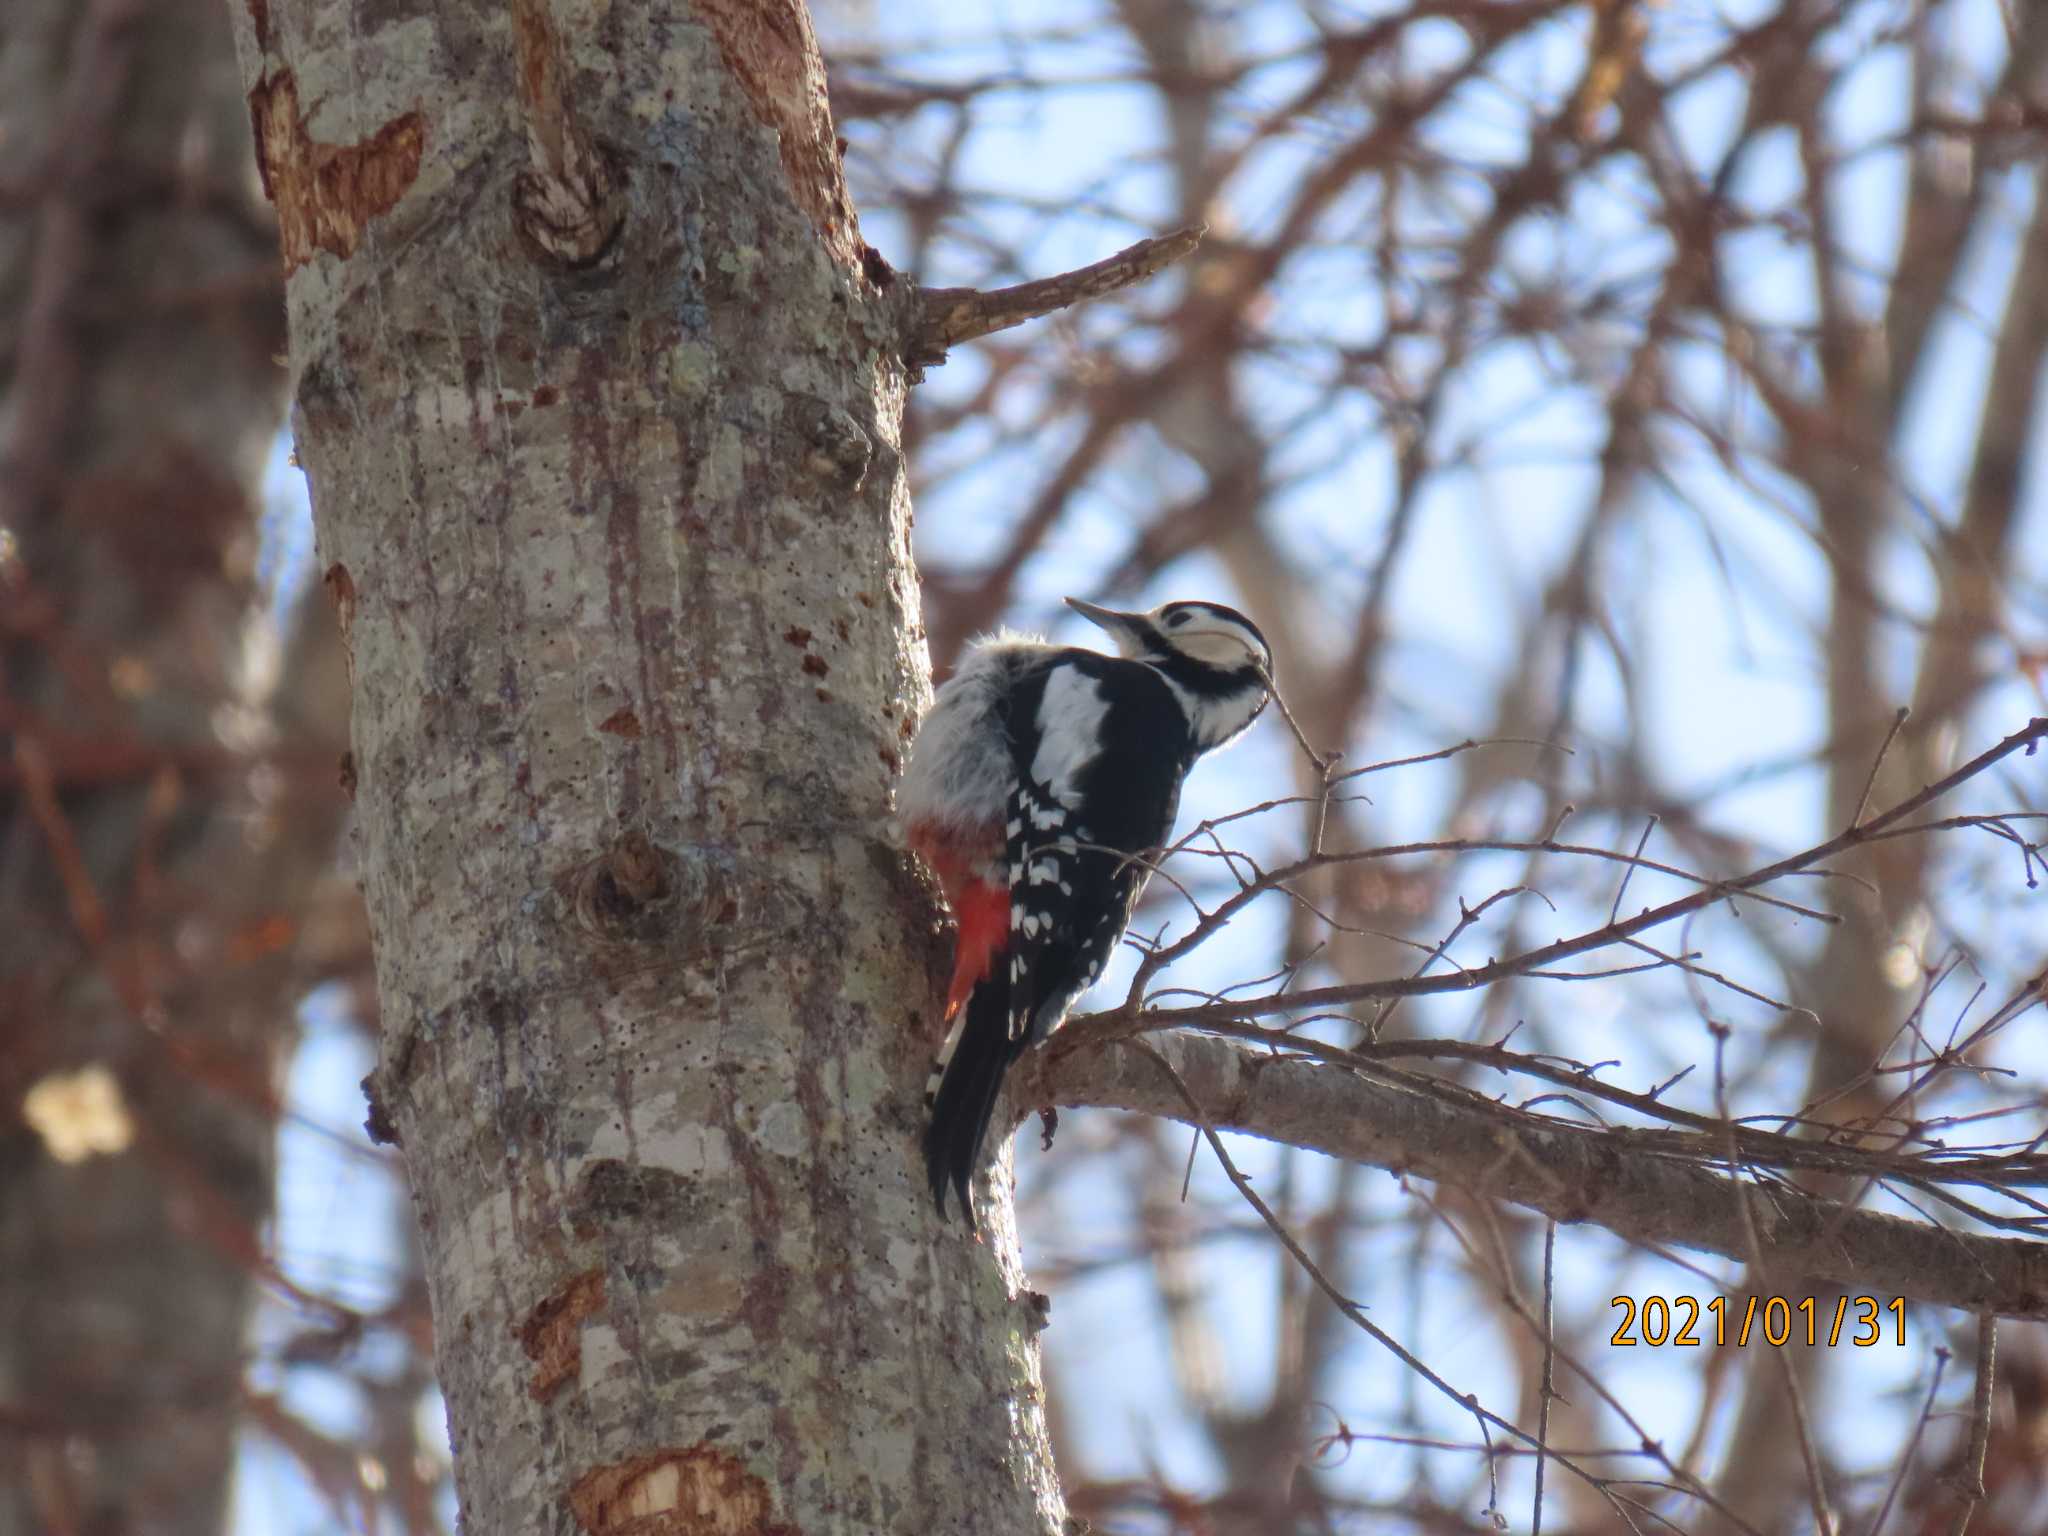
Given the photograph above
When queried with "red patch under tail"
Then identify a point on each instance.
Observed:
(982, 910)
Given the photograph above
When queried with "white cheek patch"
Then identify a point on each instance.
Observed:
(1218, 641)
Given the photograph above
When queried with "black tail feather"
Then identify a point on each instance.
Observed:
(967, 1093)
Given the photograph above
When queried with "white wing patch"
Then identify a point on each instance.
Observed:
(1069, 734)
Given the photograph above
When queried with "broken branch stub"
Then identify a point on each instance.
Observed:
(942, 318)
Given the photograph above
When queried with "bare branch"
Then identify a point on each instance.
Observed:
(945, 317)
(1564, 1172)
(2027, 739)
(1697, 1138)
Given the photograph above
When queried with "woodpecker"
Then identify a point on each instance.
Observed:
(1040, 789)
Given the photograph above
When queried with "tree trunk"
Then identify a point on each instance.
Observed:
(148, 840)
(599, 395)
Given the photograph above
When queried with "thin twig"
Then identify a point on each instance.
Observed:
(1277, 879)
(1420, 758)
(1467, 916)
(1905, 1462)
(1685, 963)
(1869, 784)
(1613, 933)
(1322, 761)
(1349, 1308)
(1441, 753)
(1628, 872)
(1547, 1388)
(1969, 1479)
(1682, 1481)
(1802, 1424)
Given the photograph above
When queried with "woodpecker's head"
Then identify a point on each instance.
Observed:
(1218, 662)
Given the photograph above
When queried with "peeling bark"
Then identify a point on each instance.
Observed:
(656, 981)
(327, 194)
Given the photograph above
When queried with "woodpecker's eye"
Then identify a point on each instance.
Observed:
(1175, 620)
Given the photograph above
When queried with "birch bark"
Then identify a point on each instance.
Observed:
(599, 396)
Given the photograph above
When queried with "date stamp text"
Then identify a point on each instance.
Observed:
(1862, 1322)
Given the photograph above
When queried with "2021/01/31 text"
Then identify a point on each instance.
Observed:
(1776, 1320)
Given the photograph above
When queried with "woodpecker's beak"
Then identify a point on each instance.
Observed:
(1127, 629)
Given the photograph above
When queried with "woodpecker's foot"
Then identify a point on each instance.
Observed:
(1048, 1123)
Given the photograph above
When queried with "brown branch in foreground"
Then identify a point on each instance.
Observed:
(1561, 1172)
(945, 317)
